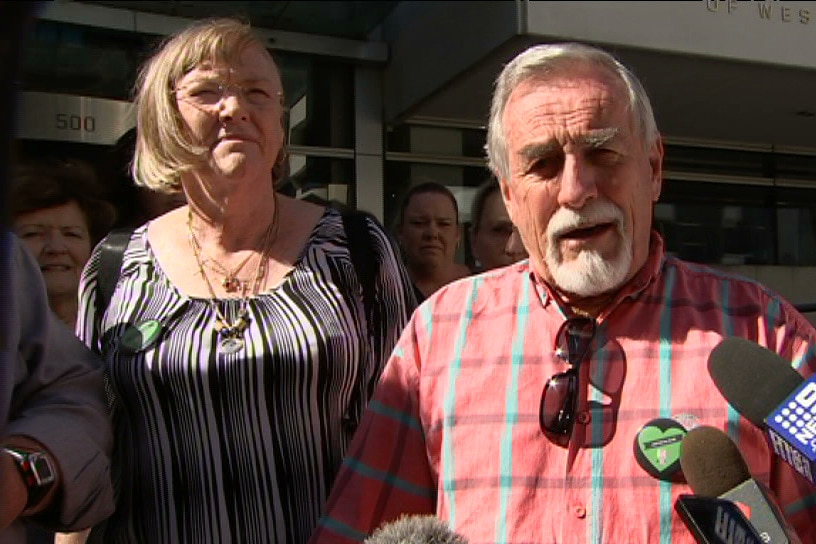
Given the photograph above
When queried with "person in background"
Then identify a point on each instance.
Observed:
(135, 204)
(240, 349)
(59, 213)
(514, 401)
(493, 240)
(428, 232)
(55, 444)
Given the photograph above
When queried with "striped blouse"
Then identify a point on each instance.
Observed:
(453, 427)
(241, 447)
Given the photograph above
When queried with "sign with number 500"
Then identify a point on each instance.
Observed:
(49, 116)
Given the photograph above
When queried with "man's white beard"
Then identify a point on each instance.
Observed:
(589, 274)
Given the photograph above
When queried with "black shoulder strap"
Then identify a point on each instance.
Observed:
(111, 254)
(362, 255)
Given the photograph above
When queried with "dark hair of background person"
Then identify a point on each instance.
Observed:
(424, 187)
(487, 188)
(55, 182)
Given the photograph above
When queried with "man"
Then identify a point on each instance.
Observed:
(493, 240)
(55, 446)
(513, 402)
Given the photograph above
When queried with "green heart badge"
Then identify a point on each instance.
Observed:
(657, 448)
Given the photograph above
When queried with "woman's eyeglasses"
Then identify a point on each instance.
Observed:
(559, 399)
(209, 93)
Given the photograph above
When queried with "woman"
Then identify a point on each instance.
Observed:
(428, 231)
(59, 214)
(237, 343)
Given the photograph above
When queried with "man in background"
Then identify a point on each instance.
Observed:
(55, 436)
(493, 240)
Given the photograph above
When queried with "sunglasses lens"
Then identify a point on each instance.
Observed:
(557, 403)
(558, 400)
(578, 337)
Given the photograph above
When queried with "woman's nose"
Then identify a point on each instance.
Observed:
(233, 105)
(54, 241)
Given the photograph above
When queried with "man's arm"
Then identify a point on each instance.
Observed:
(386, 472)
(57, 407)
(14, 486)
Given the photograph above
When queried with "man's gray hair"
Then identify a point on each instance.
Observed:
(542, 61)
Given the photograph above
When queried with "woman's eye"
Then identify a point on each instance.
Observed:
(258, 92)
(205, 92)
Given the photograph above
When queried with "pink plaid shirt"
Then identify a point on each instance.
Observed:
(453, 428)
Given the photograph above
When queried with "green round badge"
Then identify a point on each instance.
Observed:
(140, 336)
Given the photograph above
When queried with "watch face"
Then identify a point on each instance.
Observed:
(41, 468)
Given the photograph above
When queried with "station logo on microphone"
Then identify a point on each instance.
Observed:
(792, 429)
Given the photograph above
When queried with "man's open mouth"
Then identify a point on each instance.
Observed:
(586, 232)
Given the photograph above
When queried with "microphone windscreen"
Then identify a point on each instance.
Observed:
(415, 530)
(752, 379)
(711, 462)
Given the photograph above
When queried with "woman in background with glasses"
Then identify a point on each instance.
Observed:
(240, 352)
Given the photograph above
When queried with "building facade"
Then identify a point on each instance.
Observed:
(381, 93)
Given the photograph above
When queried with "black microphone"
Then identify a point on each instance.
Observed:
(714, 468)
(767, 391)
(415, 530)
(715, 521)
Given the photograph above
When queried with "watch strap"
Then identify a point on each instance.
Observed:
(37, 471)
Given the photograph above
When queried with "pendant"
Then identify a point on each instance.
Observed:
(231, 284)
(231, 344)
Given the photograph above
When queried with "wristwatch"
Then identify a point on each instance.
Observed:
(37, 471)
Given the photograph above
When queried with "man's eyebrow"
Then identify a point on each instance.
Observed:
(598, 137)
(537, 150)
(593, 139)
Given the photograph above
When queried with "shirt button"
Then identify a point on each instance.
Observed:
(579, 511)
(583, 418)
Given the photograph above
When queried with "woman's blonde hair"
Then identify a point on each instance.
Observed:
(164, 147)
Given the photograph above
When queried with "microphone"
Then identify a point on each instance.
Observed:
(741, 508)
(715, 521)
(767, 391)
(415, 530)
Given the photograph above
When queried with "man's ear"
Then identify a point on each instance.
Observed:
(656, 154)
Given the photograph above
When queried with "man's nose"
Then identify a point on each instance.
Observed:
(578, 184)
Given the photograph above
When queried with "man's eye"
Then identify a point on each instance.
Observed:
(545, 167)
(605, 156)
